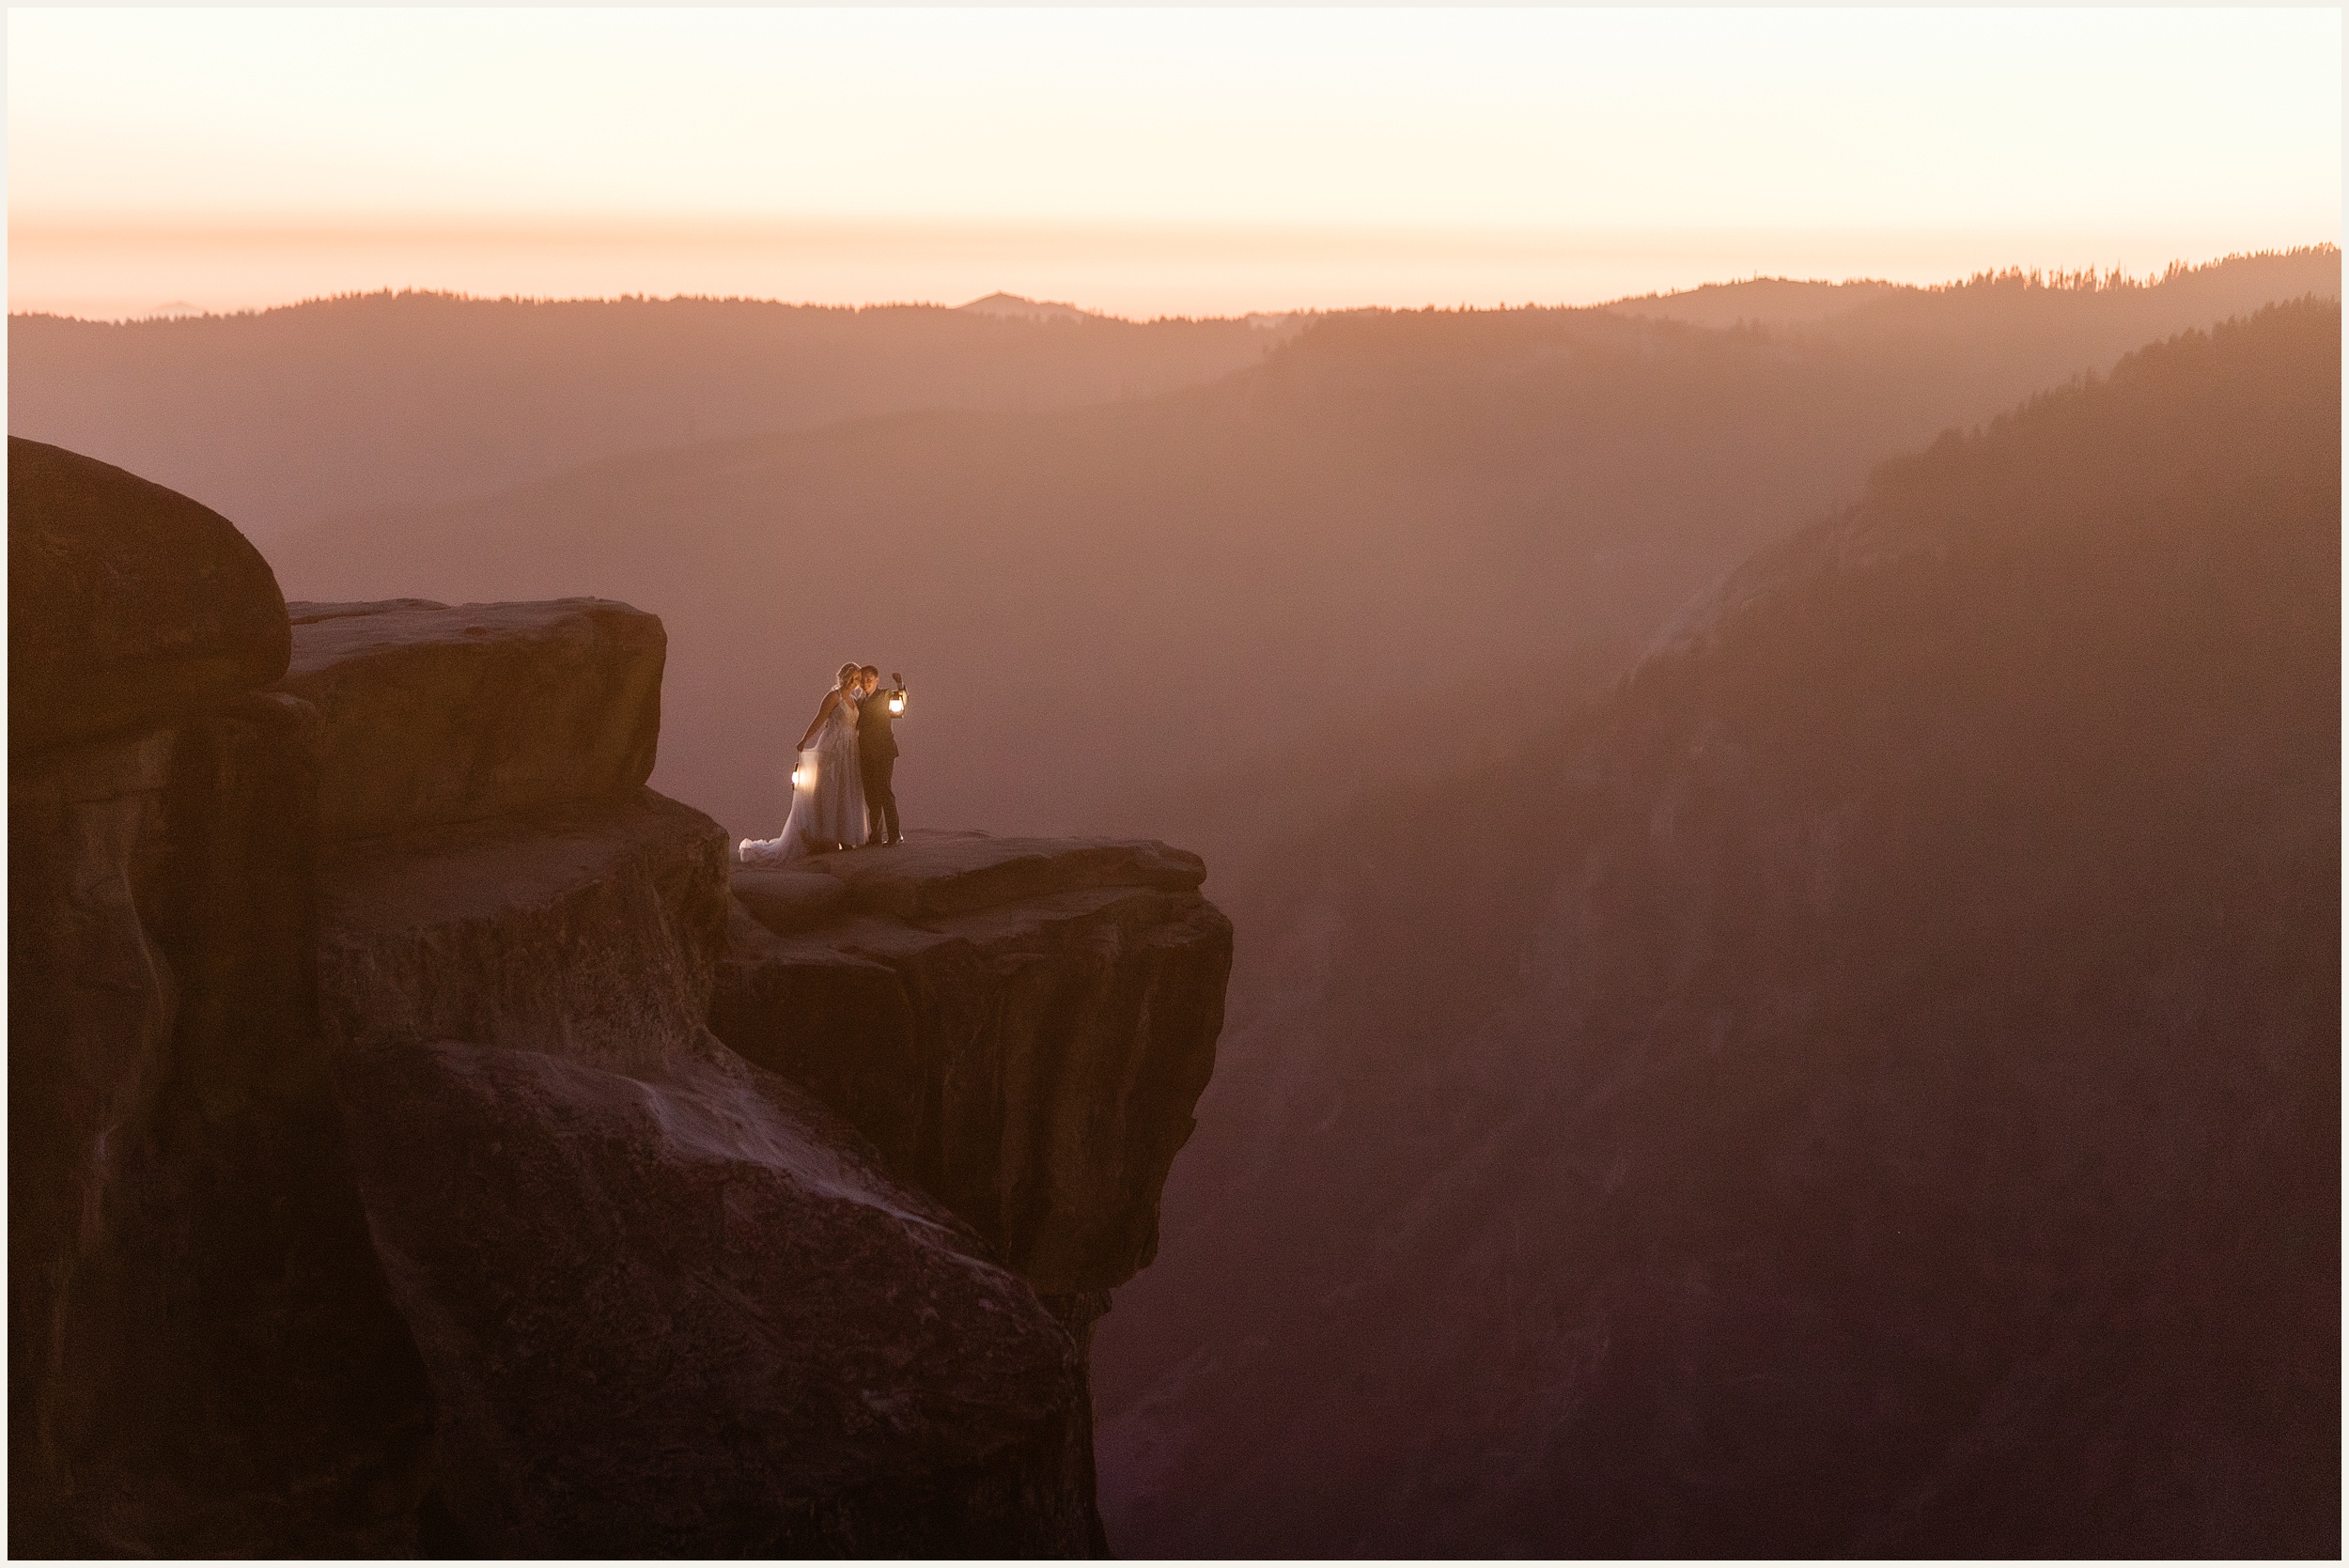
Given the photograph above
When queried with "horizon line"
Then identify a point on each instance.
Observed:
(2090, 277)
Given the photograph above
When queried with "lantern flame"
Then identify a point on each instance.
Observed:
(896, 705)
(802, 777)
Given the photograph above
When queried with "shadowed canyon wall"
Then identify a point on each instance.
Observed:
(1877, 1089)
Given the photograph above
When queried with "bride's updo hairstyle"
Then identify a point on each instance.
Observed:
(847, 673)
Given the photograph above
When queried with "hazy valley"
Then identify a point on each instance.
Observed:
(1783, 998)
(1102, 604)
(1842, 1091)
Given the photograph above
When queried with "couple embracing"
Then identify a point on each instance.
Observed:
(841, 796)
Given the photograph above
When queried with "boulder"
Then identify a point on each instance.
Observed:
(430, 715)
(1030, 1062)
(589, 931)
(689, 1315)
(129, 604)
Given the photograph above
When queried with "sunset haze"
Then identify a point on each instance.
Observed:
(1144, 163)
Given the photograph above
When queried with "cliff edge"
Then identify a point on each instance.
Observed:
(425, 1141)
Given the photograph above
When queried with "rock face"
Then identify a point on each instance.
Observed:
(202, 1356)
(1020, 1026)
(562, 1167)
(129, 604)
(429, 714)
(591, 933)
(686, 1316)
(378, 1184)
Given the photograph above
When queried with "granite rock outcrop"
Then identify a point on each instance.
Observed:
(591, 932)
(1020, 1026)
(684, 1315)
(668, 1306)
(380, 1185)
(202, 1359)
(129, 604)
(429, 714)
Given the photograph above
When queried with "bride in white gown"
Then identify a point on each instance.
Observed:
(827, 790)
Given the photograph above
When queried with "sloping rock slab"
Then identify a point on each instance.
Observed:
(954, 872)
(590, 932)
(128, 603)
(689, 1317)
(1032, 1064)
(430, 715)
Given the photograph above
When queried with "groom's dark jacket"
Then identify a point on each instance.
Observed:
(875, 740)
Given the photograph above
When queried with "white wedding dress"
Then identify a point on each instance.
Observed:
(827, 800)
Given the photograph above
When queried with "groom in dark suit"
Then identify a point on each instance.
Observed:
(876, 752)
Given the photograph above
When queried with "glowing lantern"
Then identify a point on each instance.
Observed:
(897, 697)
(803, 776)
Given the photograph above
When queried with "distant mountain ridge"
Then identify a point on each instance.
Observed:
(1761, 302)
(282, 418)
(1383, 499)
(1018, 307)
(1791, 304)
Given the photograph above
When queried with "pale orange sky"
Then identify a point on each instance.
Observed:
(1144, 163)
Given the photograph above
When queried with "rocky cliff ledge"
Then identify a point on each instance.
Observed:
(424, 1142)
(1019, 1026)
